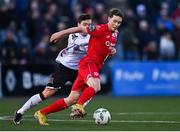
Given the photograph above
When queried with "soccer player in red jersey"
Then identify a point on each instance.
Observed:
(87, 84)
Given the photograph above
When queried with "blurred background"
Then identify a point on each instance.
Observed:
(147, 61)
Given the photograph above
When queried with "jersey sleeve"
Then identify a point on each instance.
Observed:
(94, 30)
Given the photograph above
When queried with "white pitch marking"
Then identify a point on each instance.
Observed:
(115, 121)
(121, 113)
(147, 113)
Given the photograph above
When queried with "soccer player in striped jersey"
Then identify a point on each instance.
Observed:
(68, 60)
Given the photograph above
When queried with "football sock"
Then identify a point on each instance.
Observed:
(56, 106)
(86, 95)
(34, 100)
(87, 102)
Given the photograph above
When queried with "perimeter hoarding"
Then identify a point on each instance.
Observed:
(146, 78)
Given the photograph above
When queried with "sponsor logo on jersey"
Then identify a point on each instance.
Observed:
(109, 44)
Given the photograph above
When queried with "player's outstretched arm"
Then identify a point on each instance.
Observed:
(58, 35)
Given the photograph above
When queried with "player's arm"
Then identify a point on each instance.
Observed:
(58, 35)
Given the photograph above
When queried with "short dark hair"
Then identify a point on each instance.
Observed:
(83, 17)
(116, 12)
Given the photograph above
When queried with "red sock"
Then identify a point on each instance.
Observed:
(86, 95)
(56, 106)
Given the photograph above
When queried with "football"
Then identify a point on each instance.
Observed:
(101, 116)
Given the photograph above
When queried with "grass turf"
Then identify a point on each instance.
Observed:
(128, 113)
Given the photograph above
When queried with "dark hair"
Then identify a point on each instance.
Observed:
(116, 12)
(83, 17)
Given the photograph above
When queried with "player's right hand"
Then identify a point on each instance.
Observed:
(55, 37)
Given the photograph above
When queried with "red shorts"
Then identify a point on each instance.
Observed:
(87, 68)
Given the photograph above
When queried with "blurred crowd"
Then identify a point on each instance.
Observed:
(150, 31)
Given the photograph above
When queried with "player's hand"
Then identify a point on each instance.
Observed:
(55, 37)
(112, 50)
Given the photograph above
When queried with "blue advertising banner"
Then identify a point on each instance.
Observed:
(146, 78)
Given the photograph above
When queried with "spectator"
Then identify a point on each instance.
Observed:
(9, 48)
(151, 51)
(167, 47)
(42, 50)
(25, 56)
(177, 38)
(130, 42)
(142, 33)
(144, 37)
(164, 21)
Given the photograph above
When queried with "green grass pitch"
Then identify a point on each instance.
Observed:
(128, 113)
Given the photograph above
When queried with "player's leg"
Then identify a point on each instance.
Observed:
(84, 105)
(33, 101)
(90, 91)
(58, 105)
(93, 86)
(78, 113)
(61, 104)
(86, 95)
(56, 81)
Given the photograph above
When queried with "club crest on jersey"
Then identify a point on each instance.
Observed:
(88, 76)
(96, 73)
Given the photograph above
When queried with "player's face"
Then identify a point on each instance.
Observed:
(114, 22)
(85, 24)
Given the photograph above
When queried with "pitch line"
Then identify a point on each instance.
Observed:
(115, 121)
(120, 113)
(147, 113)
(9, 118)
(125, 113)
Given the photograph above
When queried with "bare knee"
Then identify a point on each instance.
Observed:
(48, 92)
(94, 83)
(72, 98)
(97, 88)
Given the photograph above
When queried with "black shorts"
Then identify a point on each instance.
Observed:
(62, 77)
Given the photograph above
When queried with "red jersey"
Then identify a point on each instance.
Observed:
(100, 43)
